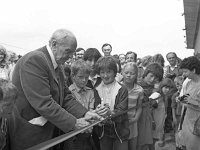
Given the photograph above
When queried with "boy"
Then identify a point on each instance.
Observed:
(152, 75)
(80, 72)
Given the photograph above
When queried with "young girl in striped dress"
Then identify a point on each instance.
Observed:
(135, 97)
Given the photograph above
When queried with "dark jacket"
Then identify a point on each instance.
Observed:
(41, 93)
(118, 127)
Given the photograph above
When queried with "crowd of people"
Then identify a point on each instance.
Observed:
(59, 88)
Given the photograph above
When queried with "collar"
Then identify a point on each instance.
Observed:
(79, 90)
(174, 66)
(55, 65)
(94, 78)
(108, 85)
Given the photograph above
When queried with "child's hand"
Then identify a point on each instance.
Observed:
(177, 99)
(103, 110)
(89, 130)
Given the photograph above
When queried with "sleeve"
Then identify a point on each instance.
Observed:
(122, 98)
(140, 98)
(34, 78)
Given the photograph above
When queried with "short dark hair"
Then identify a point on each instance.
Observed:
(116, 56)
(191, 63)
(155, 69)
(131, 52)
(79, 49)
(171, 53)
(106, 44)
(106, 62)
(91, 53)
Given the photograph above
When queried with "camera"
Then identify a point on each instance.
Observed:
(183, 97)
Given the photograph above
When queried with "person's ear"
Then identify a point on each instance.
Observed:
(53, 43)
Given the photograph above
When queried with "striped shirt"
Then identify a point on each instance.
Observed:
(135, 97)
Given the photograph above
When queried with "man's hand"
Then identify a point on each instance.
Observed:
(91, 116)
(81, 122)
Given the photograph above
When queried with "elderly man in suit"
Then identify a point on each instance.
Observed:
(44, 103)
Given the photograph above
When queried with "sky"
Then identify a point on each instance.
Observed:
(146, 27)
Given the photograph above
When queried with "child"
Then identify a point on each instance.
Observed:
(176, 106)
(115, 132)
(159, 113)
(8, 96)
(91, 56)
(152, 74)
(135, 97)
(80, 72)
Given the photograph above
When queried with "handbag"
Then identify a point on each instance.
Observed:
(196, 130)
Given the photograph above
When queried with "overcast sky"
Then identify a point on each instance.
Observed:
(144, 26)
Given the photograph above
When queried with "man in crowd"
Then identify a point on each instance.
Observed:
(131, 56)
(44, 104)
(107, 49)
(173, 67)
(79, 53)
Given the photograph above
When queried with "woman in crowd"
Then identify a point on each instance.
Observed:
(191, 124)
(4, 68)
(8, 95)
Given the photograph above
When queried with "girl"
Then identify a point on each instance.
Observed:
(114, 133)
(159, 113)
(135, 97)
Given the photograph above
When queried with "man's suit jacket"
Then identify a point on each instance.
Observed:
(41, 93)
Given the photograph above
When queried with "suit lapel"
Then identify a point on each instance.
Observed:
(60, 84)
(48, 58)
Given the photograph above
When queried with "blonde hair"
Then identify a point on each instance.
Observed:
(134, 65)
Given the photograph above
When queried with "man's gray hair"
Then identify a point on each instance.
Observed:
(61, 34)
